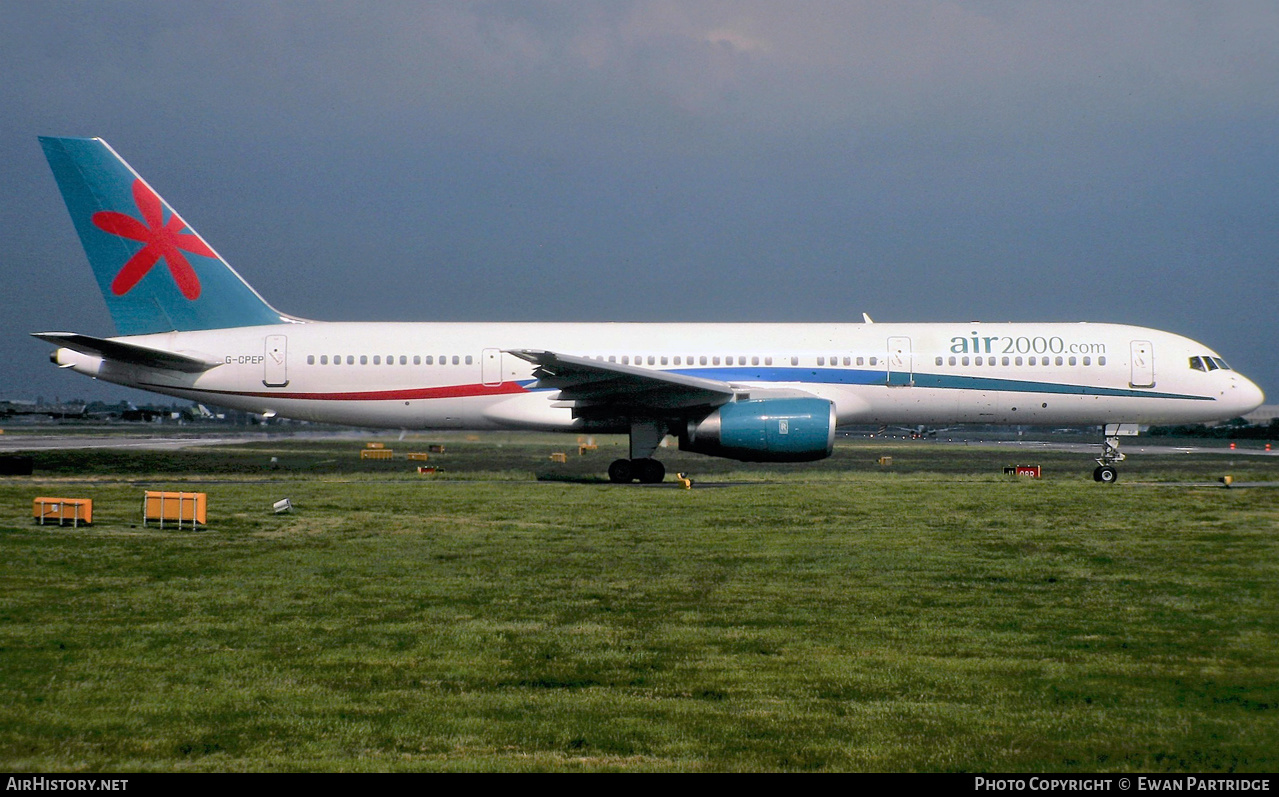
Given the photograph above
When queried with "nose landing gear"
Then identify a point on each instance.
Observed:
(1106, 472)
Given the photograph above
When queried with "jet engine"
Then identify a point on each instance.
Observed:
(765, 430)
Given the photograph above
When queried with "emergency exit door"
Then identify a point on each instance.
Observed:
(491, 367)
(275, 366)
(901, 363)
(1143, 364)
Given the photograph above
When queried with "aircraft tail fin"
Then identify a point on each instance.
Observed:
(128, 230)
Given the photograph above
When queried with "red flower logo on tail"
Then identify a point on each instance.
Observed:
(162, 241)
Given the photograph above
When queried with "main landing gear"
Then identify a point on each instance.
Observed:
(646, 436)
(643, 470)
(1106, 472)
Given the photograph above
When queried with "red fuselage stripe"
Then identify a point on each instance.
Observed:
(417, 393)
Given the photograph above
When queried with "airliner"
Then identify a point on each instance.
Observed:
(190, 326)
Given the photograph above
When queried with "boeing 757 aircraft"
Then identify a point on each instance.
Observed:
(190, 326)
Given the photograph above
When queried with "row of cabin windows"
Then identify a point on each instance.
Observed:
(445, 359)
(691, 359)
(363, 359)
(1058, 360)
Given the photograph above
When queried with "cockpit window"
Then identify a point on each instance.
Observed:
(1207, 363)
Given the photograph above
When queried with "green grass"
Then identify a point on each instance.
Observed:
(838, 616)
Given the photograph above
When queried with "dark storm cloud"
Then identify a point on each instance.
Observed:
(666, 161)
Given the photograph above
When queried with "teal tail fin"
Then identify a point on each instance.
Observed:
(128, 232)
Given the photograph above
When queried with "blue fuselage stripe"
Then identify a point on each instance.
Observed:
(854, 376)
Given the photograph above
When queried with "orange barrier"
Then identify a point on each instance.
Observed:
(76, 511)
(186, 508)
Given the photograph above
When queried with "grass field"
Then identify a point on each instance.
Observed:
(512, 613)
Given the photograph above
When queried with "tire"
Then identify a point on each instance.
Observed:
(649, 471)
(621, 472)
(1107, 475)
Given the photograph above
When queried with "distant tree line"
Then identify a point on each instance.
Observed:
(1236, 429)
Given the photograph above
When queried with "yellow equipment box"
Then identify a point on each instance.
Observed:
(75, 511)
(417, 456)
(180, 508)
(377, 453)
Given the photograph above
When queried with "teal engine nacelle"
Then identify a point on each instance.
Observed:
(765, 430)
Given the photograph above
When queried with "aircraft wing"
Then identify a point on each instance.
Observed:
(130, 353)
(593, 387)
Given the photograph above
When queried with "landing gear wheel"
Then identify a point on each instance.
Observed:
(621, 472)
(648, 471)
(1105, 474)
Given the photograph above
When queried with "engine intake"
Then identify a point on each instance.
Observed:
(765, 430)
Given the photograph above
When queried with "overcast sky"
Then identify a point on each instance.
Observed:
(666, 161)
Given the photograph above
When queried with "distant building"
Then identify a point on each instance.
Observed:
(1263, 414)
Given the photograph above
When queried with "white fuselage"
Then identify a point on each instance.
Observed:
(457, 375)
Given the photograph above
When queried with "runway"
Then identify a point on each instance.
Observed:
(14, 443)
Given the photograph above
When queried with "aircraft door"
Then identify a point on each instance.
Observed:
(1143, 364)
(275, 364)
(491, 367)
(901, 362)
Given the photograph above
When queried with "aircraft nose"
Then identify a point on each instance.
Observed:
(1245, 395)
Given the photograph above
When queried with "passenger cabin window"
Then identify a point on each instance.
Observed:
(794, 361)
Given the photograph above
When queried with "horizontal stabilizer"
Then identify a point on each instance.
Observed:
(130, 353)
